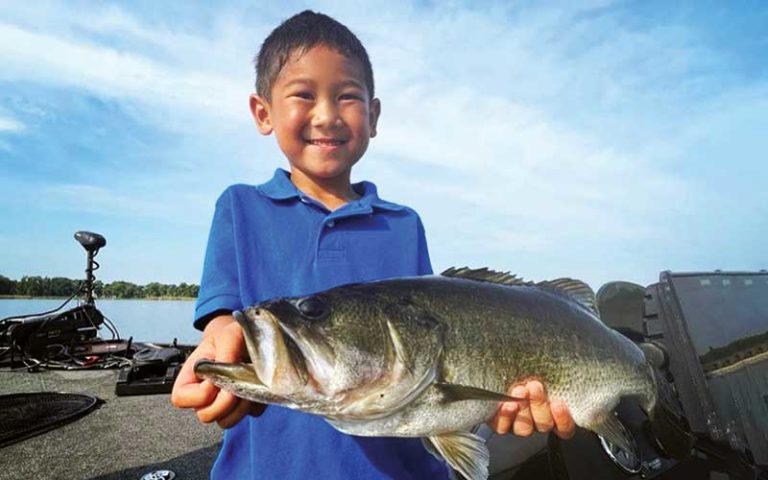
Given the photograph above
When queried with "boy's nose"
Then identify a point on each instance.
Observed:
(325, 114)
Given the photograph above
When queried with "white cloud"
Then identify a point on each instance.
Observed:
(11, 125)
(30, 56)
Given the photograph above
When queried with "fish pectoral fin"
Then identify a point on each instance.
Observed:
(612, 430)
(454, 393)
(464, 452)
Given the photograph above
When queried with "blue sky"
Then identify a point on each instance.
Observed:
(598, 140)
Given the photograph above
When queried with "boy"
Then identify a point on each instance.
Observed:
(302, 232)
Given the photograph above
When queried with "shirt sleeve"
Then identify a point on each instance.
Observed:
(425, 266)
(219, 286)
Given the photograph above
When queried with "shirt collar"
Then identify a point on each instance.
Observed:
(280, 187)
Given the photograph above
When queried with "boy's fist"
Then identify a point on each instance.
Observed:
(222, 342)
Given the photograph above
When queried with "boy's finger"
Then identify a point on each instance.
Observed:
(238, 412)
(188, 390)
(193, 395)
(540, 409)
(565, 426)
(523, 425)
(503, 420)
(257, 409)
(230, 345)
(224, 403)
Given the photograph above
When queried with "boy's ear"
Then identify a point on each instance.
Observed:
(373, 115)
(261, 115)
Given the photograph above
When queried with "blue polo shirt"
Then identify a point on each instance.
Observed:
(272, 241)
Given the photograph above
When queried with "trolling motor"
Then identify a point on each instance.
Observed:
(69, 339)
(45, 338)
(91, 242)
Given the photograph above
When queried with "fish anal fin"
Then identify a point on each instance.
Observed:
(610, 428)
(671, 434)
(453, 393)
(465, 452)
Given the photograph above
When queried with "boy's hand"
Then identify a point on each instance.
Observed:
(538, 413)
(222, 342)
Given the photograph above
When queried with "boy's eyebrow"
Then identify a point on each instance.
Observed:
(344, 83)
(298, 81)
(353, 83)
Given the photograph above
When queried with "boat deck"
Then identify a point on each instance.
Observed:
(124, 438)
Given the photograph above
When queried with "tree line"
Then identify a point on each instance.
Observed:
(34, 286)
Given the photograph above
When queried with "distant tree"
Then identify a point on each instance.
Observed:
(186, 290)
(98, 288)
(123, 290)
(61, 287)
(35, 286)
(7, 286)
(155, 290)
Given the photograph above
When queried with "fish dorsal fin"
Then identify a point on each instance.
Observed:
(464, 451)
(573, 289)
(484, 275)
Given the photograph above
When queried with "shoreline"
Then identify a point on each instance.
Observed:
(29, 297)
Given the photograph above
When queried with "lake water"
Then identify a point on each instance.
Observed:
(144, 320)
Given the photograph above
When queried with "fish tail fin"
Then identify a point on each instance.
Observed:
(670, 432)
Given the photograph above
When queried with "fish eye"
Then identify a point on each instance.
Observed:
(312, 308)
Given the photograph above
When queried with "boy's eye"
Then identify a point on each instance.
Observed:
(303, 95)
(351, 96)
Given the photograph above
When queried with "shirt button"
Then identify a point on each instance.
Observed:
(331, 224)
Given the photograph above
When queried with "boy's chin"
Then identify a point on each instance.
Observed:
(323, 172)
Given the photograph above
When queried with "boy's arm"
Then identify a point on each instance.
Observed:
(425, 265)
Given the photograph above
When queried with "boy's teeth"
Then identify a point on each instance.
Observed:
(325, 142)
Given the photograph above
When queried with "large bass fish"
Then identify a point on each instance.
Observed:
(432, 356)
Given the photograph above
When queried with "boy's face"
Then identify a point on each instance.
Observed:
(320, 112)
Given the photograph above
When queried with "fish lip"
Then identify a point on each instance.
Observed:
(251, 332)
(269, 344)
(234, 371)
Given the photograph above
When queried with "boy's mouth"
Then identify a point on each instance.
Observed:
(325, 142)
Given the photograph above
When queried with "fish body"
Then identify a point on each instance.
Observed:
(432, 356)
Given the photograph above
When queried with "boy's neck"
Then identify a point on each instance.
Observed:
(332, 192)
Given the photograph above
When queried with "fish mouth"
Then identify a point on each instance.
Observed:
(275, 355)
(263, 356)
(281, 359)
(237, 372)
(240, 371)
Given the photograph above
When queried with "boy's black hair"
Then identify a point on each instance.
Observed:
(299, 34)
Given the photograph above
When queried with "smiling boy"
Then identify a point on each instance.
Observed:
(306, 231)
